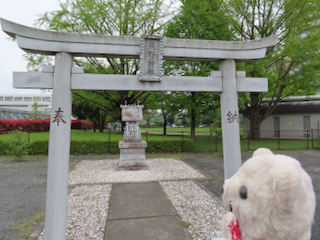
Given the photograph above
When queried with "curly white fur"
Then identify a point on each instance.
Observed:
(280, 200)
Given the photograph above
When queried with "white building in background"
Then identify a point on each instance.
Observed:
(294, 117)
(17, 106)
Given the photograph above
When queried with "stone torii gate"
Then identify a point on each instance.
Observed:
(151, 50)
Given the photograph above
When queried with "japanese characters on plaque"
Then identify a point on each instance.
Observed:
(151, 57)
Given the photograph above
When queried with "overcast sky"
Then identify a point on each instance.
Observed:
(11, 57)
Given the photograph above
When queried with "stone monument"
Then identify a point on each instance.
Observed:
(132, 149)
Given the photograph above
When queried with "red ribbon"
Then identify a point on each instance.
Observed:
(234, 226)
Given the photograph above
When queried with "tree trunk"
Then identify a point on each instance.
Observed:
(101, 127)
(254, 130)
(165, 125)
(193, 124)
(193, 118)
(255, 119)
(95, 125)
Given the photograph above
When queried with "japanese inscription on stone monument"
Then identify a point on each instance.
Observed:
(151, 56)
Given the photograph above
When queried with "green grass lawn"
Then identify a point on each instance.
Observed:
(84, 135)
(202, 143)
(202, 130)
(206, 144)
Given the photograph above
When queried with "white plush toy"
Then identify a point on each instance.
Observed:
(269, 198)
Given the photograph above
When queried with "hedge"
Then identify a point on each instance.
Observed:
(38, 125)
(102, 147)
(80, 124)
(27, 125)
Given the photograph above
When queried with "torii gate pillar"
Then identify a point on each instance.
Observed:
(59, 148)
(229, 118)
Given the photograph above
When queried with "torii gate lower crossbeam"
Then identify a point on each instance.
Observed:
(62, 78)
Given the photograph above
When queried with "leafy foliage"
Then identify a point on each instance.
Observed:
(19, 148)
(107, 17)
(167, 102)
(37, 125)
(99, 147)
(292, 66)
(198, 20)
(26, 125)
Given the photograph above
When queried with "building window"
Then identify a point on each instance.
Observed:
(276, 126)
(18, 99)
(46, 99)
(36, 99)
(1, 98)
(27, 99)
(9, 99)
(306, 126)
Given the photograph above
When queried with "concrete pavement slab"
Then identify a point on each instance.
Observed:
(136, 200)
(142, 211)
(155, 228)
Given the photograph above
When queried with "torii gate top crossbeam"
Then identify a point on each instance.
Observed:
(49, 43)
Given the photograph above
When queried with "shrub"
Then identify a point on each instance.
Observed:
(19, 148)
(38, 125)
(82, 125)
(39, 147)
(4, 146)
(170, 146)
(102, 147)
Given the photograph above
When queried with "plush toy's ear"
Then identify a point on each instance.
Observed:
(286, 184)
(261, 151)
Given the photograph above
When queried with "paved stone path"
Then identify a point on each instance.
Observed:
(142, 211)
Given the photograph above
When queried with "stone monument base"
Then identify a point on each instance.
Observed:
(132, 156)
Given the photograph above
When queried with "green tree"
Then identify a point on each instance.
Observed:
(87, 110)
(204, 19)
(36, 114)
(292, 66)
(107, 17)
(166, 102)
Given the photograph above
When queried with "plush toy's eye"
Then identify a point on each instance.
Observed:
(243, 192)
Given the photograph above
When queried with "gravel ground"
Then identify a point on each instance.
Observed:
(22, 186)
(196, 207)
(88, 204)
(105, 171)
(23, 193)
